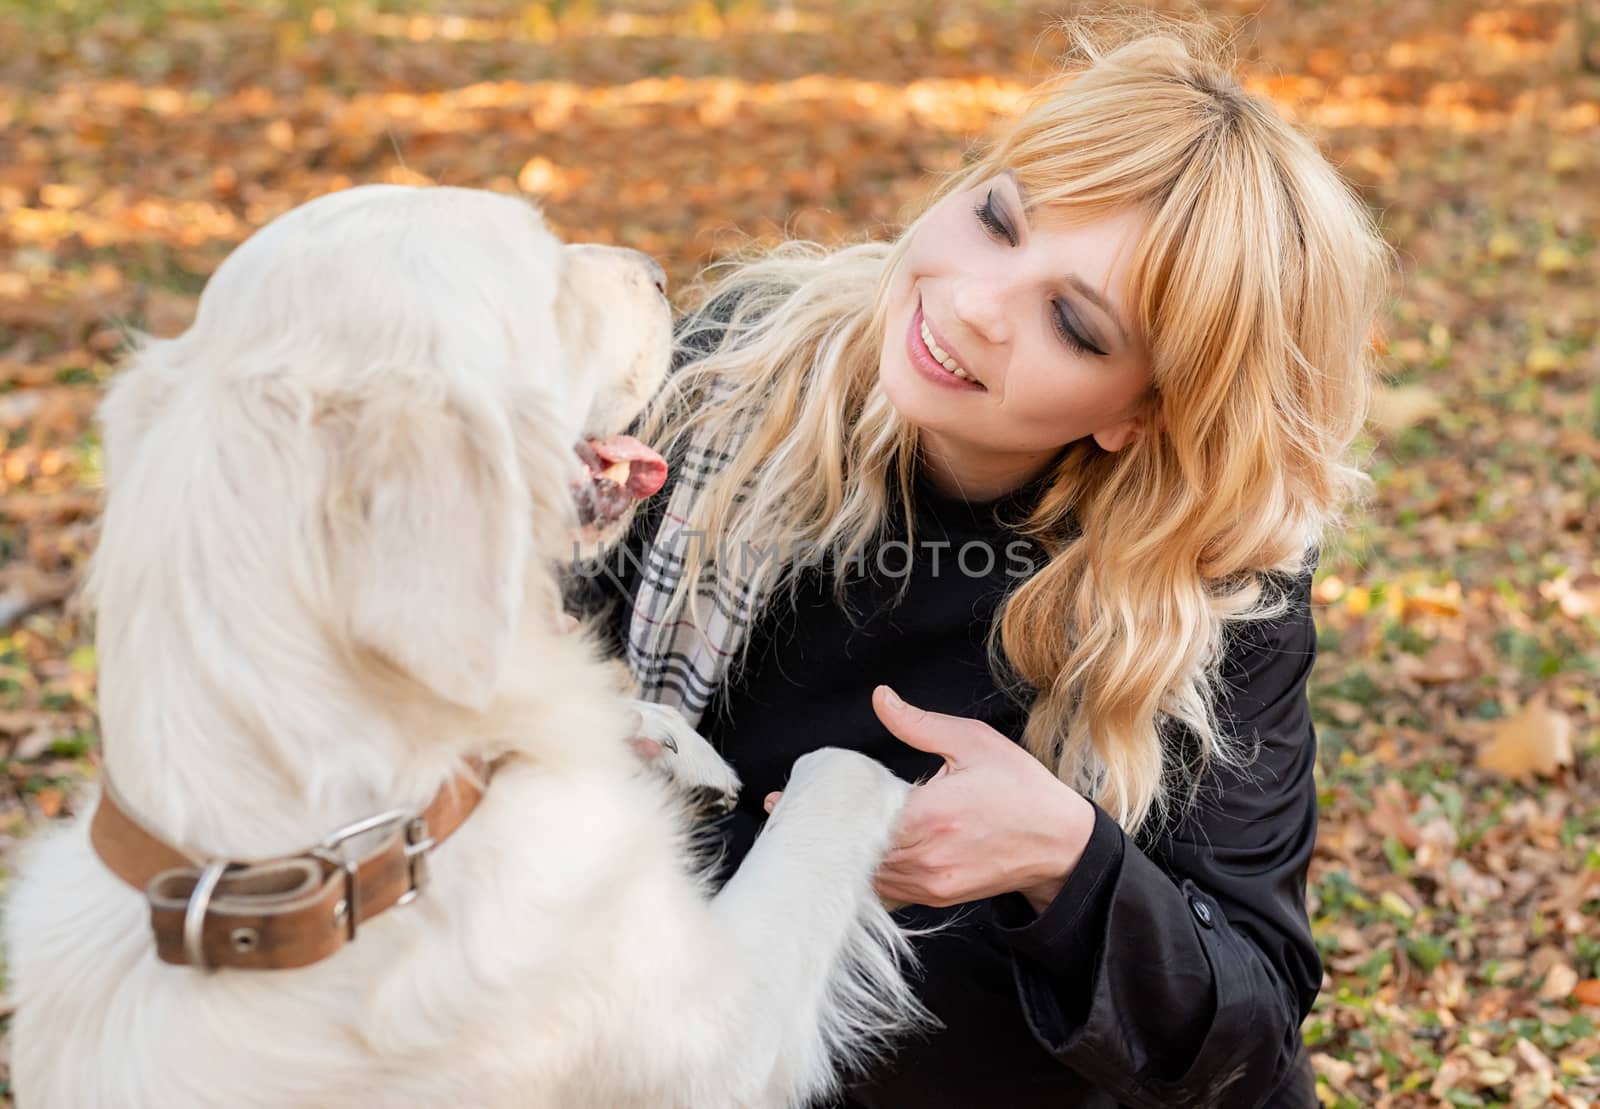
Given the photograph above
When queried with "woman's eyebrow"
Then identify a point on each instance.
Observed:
(1099, 301)
(1016, 183)
(1084, 288)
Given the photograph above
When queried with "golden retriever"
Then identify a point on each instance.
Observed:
(326, 582)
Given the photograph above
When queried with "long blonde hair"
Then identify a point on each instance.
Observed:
(1256, 284)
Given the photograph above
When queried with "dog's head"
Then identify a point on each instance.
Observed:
(419, 395)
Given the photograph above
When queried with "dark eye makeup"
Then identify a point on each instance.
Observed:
(994, 220)
(1066, 326)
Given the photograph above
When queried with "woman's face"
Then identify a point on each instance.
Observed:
(1008, 339)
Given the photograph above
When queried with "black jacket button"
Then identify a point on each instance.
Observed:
(1202, 912)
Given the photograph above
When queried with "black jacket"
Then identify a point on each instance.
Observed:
(1171, 971)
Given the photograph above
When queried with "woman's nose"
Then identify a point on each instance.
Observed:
(980, 306)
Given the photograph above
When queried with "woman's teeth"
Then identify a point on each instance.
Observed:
(940, 356)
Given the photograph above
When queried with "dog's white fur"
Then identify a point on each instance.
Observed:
(325, 577)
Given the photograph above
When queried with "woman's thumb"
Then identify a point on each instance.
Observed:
(950, 736)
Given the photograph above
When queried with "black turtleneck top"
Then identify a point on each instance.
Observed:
(917, 616)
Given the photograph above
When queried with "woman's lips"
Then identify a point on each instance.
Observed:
(922, 358)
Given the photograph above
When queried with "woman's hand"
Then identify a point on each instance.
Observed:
(992, 820)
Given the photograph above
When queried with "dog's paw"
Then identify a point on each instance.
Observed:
(843, 807)
(687, 760)
(858, 787)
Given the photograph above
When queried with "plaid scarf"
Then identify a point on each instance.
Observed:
(679, 662)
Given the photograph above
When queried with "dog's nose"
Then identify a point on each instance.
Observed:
(658, 276)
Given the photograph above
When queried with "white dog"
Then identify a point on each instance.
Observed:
(325, 585)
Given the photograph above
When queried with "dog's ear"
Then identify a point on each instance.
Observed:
(429, 518)
(133, 402)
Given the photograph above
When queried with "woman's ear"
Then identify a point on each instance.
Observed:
(1120, 434)
(429, 520)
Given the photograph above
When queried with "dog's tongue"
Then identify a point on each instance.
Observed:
(647, 470)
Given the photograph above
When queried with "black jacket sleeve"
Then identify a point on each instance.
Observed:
(1179, 975)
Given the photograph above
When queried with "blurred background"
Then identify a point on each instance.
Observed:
(1456, 887)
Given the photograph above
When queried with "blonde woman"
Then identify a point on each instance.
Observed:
(1052, 467)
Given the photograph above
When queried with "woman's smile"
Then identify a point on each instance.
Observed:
(925, 350)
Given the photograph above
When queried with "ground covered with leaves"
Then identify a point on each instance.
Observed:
(1456, 887)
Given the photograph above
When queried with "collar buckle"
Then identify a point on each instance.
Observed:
(328, 851)
(418, 843)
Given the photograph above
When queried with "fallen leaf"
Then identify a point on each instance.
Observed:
(1391, 814)
(1396, 408)
(35, 743)
(1443, 601)
(1576, 597)
(1533, 1058)
(1397, 905)
(1559, 982)
(1545, 359)
(1489, 1069)
(1446, 661)
(1536, 741)
(1338, 1072)
(1450, 1074)
(1587, 992)
(1503, 245)
(50, 800)
(1556, 259)
(1348, 713)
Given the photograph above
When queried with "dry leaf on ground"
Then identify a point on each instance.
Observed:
(1537, 740)
(1401, 406)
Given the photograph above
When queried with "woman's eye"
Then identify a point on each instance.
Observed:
(992, 220)
(1069, 331)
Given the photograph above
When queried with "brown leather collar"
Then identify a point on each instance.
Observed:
(285, 912)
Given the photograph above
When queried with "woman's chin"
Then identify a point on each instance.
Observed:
(911, 397)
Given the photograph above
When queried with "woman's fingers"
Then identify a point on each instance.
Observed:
(910, 890)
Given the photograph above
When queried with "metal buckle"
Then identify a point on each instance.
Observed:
(417, 841)
(194, 913)
(418, 844)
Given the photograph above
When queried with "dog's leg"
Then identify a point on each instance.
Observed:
(688, 759)
(821, 984)
(674, 748)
